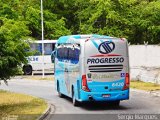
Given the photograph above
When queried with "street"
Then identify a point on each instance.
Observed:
(139, 103)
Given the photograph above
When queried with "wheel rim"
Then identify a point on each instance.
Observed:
(28, 70)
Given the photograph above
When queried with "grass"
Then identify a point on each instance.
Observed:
(38, 77)
(144, 85)
(20, 106)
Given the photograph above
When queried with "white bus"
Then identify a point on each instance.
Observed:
(35, 61)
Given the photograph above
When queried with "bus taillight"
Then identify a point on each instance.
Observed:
(84, 83)
(126, 85)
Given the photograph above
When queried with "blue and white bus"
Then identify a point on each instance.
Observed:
(92, 68)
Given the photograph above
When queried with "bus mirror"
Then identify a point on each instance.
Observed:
(53, 56)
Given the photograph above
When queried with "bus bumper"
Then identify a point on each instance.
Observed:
(105, 96)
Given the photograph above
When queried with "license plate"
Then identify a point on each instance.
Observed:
(106, 95)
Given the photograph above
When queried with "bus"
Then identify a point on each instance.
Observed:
(92, 68)
(35, 61)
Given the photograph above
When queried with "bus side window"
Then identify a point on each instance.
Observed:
(47, 49)
(39, 48)
(36, 48)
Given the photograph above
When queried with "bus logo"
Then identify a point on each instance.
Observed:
(106, 47)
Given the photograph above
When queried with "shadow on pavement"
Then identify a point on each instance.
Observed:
(92, 105)
(101, 106)
(44, 73)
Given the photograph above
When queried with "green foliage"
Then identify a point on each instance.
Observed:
(136, 20)
(12, 47)
(20, 20)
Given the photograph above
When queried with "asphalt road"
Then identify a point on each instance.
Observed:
(140, 102)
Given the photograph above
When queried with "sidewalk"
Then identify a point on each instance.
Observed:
(155, 93)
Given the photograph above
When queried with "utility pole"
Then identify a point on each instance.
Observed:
(42, 38)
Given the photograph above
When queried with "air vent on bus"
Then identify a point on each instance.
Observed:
(105, 68)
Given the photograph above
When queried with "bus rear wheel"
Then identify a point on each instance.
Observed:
(27, 69)
(74, 101)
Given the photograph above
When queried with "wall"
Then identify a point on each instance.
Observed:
(145, 62)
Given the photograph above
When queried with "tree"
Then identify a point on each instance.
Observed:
(19, 20)
(12, 46)
(29, 11)
(54, 26)
(136, 20)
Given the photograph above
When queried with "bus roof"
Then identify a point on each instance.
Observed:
(78, 38)
(44, 41)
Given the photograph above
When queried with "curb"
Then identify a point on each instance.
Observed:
(46, 113)
(154, 93)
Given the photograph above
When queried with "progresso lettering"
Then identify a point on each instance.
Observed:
(105, 60)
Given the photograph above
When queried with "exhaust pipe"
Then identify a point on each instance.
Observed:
(90, 98)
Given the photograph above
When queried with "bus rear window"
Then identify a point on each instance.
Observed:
(68, 53)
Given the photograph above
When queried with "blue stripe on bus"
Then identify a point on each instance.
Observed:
(95, 44)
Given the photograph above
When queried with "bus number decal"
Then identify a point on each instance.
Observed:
(118, 84)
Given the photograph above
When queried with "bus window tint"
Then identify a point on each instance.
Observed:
(36, 48)
(73, 55)
(47, 49)
(70, 54)
(65, 53)
(77, 52)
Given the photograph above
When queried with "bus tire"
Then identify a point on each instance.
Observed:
(58, 90)
(116, 103)
(27, 69)
(74, 101)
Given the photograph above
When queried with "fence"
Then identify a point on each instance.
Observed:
(145, 63)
